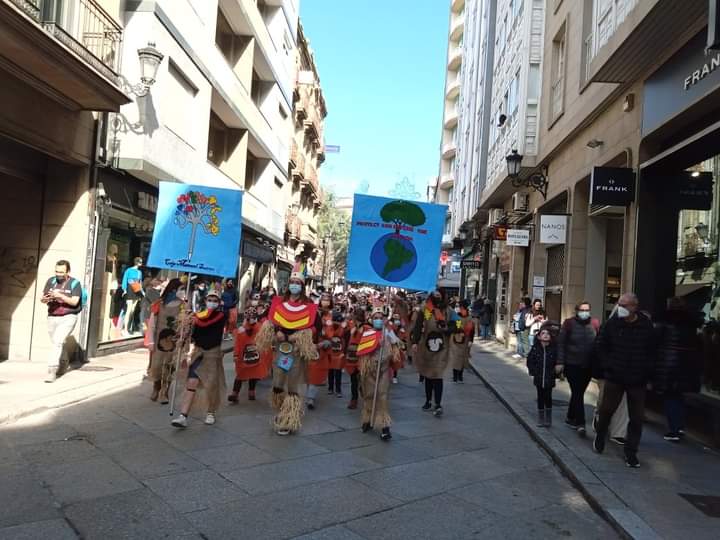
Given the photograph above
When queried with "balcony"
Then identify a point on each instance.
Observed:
(455, 59)
(457, 26)
(301, 107)
(313, 126)
(452, 90)
(451, 117)
(293, 226)
(447, 181)
(298, 171)
(448, 150)
(260, 217)
(294, 153)
(308, 235)
(626, 44)
(311, 180)
(71, 59)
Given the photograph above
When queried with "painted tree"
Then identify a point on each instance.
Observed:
(402, 213)
(196, 210)
(404, 189)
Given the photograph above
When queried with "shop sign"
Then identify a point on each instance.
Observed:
(538, 281)
(147, 202)
(694, 192)
(471, 264)
(500, 232)
(553, 229)
(518, 237)
(690, 75)
(538, 293)
(612, 186)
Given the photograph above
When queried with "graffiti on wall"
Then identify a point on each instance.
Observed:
(17, 268)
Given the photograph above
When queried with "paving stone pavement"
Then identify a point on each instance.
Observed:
(111, 467)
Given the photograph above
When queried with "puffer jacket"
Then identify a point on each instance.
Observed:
(541, 363)
(627, 350)
(576, 342)
(678, 363)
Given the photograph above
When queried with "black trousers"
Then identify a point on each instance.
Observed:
(335, 380)
(237, 385)
(457, 375)
(354, 381)
(434, 386)
(578, 378)
(612, 396)
(544, 398)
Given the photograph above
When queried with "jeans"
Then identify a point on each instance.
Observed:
(59, 329)
(531, 340)
(485, 331)
(612, 396)
(544, 398)
(522, 343)
(578, 377)
(675, 411)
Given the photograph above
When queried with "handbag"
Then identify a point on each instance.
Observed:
(135, 286)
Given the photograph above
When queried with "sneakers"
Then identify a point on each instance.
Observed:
(283, 432)
(311, 404)
(620, 441)
(385, 435)
(460, 381)
(180, 422)
(581, 431)
(210, 419)
(338, 395)
(438, 411)
(672, 437)
(516, 355)
(353, 404)
(572, 425)
(51, 375)
(427, 406)
(599, 444)
(330, 391)
(631, 461)
(394, 380)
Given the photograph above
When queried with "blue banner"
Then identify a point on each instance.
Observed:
(395, 242)
(197, 230)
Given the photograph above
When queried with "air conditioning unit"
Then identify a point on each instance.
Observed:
(520, 202)
(496, 215)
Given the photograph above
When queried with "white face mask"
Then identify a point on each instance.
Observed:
(583, 315)
(212, 305)
(622, 312)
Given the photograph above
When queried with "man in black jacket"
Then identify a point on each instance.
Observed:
(626, 345)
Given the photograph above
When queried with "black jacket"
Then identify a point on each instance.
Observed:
(541, 363)
(678, 360)
(576, 342)
(627, 350)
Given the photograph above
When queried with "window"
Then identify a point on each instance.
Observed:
(533, 82)
(607, 16)
(179, 103)
(557, 94)
(513, 94)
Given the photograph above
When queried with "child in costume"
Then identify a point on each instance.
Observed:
(317, 372)
(461, 340)
(250, 365)
(398, 328)
(338, 341)
(288, 334)
(430, 348)
(166, 315)
(379, 354)
(206, 371)
(354, 334)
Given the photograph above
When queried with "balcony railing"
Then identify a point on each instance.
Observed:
(294, 152)
(298, 171)
(89, 31)
(293, 225)
(311, 179)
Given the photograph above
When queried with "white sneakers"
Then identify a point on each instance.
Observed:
(210, 419)
(180, 422)
(52, 375)
(395, 380)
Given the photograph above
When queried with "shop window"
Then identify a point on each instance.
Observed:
(555, 266)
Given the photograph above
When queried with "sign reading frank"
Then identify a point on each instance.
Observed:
(612, 186)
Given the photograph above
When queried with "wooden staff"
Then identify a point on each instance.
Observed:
(180, 345)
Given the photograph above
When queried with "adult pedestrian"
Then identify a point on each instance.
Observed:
(542, 367)
(63, 296)
(288, 332)
(317, 372)
(205, 371)
(576, 347)
(534, 319)
(522, 346)
(199, 296)
(486, 319)
(430, 348)
(250, 365)
(677, 371)
(167, 316)
(230, 299)
(379, 354)
(626, 346)
(461, 340)
(132, 284)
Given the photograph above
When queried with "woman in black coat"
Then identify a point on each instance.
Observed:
(543, 367)
(677, 370)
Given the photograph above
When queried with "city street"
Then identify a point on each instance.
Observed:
(112, 467)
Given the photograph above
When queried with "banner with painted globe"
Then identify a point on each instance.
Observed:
(395, 242)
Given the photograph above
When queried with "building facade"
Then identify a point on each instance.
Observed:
(59, 70)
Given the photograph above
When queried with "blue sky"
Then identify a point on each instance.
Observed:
(381, 65)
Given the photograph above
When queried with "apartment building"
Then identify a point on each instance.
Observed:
(58, 67)
(307, 154)
(219, 113)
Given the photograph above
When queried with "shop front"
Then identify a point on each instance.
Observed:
(257, 262)
(678, 245)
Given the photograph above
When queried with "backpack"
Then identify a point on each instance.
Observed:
(73, 282)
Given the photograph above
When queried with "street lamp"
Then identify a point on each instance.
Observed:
(326, 239)
(150, 59)
(537, 181)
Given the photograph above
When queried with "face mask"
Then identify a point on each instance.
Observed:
(622, 312)
(397, 322)
(252, 322)
(377, 324)
(583, 315)
(457, 310)
(295, 288)
(212, 305)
